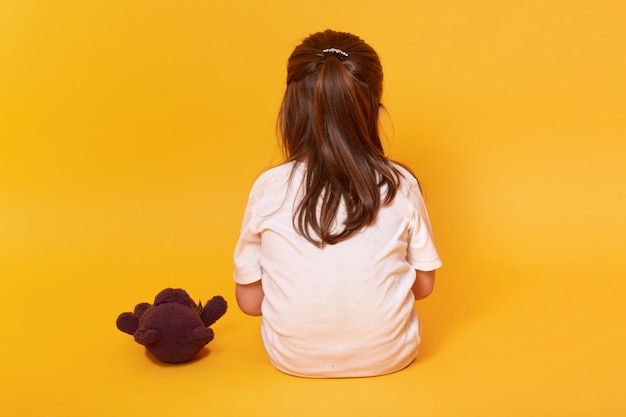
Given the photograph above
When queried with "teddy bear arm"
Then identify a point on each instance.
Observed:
(214, 309)
(200, 336)
(147, 337)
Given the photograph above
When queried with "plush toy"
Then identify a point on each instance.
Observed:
(174, 328)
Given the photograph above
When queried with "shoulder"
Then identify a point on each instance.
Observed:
(274, 177)
(276, 173)
(407, 181)
(409, 192)
(271, 187)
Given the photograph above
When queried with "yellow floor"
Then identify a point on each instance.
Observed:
(131, 132)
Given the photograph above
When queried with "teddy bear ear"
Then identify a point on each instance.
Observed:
(147, 337)
(127, 322)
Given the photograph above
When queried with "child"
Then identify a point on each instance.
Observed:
(336, 243)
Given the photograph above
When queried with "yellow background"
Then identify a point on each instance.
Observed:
(132, 130)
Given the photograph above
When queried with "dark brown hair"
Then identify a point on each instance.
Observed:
(329, 121)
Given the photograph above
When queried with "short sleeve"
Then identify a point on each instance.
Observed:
(421, 252)
(247, 256)
(266, 198)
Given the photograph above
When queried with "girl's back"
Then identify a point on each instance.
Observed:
(344, 309)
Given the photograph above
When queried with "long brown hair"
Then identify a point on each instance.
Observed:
(329, 121)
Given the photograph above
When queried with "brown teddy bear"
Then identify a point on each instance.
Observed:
(174, 329)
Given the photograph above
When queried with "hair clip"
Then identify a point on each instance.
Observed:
(333, 52)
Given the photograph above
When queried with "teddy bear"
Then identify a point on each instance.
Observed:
(174, 329)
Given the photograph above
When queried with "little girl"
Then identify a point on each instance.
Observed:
(336, 243)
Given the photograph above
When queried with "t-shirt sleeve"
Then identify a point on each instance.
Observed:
(247, 256)
(422, 253)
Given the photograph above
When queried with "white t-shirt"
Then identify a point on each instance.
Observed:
(345, 310)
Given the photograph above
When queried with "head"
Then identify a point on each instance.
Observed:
(329, 120)
(174, 295)
(331, 96)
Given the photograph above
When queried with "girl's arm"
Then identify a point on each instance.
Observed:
(424, 283)
(249, 297)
